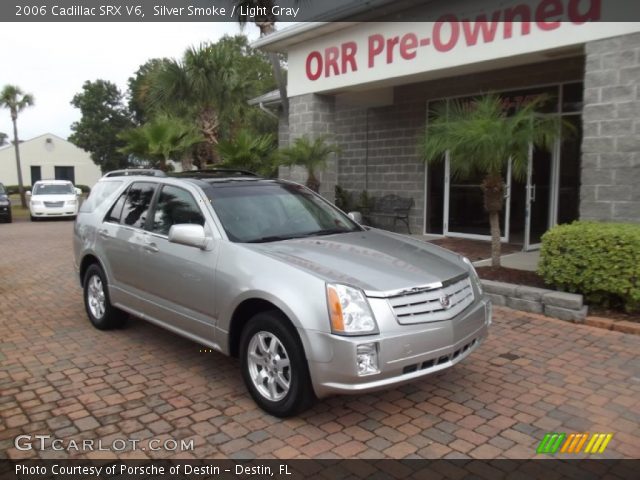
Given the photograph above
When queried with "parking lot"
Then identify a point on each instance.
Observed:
(61, 377)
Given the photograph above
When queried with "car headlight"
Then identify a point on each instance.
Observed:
(36, 202)
(349, 311)
(4, 201)
(72, 202)
(474, 274)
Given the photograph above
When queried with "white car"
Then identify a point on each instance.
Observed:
(53, 198)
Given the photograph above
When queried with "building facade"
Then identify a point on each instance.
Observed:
(48, 157)
(370, 86)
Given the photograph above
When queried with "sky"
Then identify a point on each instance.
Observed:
(53, 60)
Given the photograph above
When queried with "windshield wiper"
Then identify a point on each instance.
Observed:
(276, 238)
(328, 231)
(271, 238)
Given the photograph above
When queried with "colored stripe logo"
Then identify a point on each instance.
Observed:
(574, 443)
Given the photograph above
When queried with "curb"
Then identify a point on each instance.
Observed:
(564, 306)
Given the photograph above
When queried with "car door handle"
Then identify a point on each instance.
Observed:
(151, 247)
(103, 233)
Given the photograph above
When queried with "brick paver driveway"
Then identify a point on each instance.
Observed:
(61, 377)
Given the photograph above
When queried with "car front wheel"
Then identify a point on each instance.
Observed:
(274, 366)
(102, 314)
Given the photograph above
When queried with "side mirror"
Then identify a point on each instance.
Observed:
(78, 191)
(188, 234)
(355, 216)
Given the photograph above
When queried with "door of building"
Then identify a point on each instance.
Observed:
(541, 195)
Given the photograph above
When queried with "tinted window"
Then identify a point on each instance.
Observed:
(274, 211)
(116, 209)
(53, 189)
(101, 192)
(175, 206)
(136, 206)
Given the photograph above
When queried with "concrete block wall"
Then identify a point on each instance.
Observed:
(611, 139)
(379, 145)
(311, 115)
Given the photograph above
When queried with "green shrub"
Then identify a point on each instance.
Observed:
(343, 199)
(84, 188)
(599, 260)
(13, 189)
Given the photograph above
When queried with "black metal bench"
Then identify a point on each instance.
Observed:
(394, 207)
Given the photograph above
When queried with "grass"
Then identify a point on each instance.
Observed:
(16, 209)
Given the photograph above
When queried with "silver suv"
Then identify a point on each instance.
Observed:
(312, 302)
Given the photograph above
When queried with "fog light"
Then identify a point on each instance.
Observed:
(367, 359)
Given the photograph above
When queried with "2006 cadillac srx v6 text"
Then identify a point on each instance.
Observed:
(312, 302)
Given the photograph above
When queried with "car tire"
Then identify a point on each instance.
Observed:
(97, 303)
(282, 385)
(33, 219)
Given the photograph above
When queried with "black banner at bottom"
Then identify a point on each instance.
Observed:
(319, 469)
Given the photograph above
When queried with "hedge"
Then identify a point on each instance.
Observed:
(13, 189)
(599, 260)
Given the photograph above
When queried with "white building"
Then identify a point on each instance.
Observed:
(48, 157)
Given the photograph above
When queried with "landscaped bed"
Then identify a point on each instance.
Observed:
(479, 250)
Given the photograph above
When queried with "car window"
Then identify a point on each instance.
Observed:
(175, 206)
(274, 211)
(101, 192)
(136, 205)
(2, 190)
(116, 210)
(53, 189)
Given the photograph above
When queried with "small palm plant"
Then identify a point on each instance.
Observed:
(249, 152)
(481, 137)
(161, 139)
(310, 154)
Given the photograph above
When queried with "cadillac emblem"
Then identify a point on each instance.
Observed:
(445, 301)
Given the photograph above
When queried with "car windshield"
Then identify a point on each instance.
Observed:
(2, 190)
(53, 189)
(268, 212)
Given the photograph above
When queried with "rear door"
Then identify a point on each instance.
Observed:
(121, 238)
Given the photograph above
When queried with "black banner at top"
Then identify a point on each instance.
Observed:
(284, 11)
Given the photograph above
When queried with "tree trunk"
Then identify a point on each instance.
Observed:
(493, 189)
(265, 29)
(16, 145)
(313, 183)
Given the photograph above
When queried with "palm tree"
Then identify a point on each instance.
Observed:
(267, 24)
(481, 137)
(161, 139)
(311, 154)
(249, 152)
(206, 83)
(13, 98)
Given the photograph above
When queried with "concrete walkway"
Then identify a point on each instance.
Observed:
(519, 260)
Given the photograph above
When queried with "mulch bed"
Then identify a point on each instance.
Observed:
(474, 250)
(511, 275)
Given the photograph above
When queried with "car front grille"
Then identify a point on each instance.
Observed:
(432, 304)
(53, 204)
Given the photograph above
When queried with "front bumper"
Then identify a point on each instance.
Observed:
(64, 211)
(5, 211)
(404, 354)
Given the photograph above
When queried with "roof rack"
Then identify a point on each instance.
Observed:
(148, 172)
(215, 173)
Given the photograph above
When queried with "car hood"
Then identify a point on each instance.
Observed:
(373, 260)
(54, 198)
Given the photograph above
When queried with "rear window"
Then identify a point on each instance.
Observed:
(53, 189)
(99, 194)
